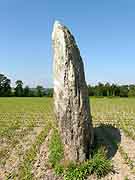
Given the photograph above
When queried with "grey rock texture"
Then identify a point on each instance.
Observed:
(71, 102)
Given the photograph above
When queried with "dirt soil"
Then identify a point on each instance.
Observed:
(42, 170)
(121, 169)
(17, 153)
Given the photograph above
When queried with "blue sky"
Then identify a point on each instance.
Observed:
(104, 31)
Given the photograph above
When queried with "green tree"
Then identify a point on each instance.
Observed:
(19, 88)
(49, 92)
(124, 91)
(131, 92)
(117, 91)
(26, 91)
(5, 88)
(108, 89)
(90, 90)
(113, 89)
(100, 89)
(39, 91)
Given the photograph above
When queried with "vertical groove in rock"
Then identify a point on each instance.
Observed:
(71, 102)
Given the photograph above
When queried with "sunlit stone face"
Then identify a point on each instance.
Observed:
(71, 103)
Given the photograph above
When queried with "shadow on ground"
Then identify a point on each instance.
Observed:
(109, 137)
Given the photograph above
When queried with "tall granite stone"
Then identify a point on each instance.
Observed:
(71, 102)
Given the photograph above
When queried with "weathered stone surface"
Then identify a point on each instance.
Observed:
(71, 100)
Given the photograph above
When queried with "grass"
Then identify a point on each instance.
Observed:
(99, 164)
(55, 149)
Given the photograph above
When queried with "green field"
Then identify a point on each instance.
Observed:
(25, 122)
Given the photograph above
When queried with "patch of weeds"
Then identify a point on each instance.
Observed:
(101, 165)
(59, 169)
(56, 152)
(98, 165)
(79, 172)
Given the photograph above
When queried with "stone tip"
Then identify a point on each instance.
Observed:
(56, 25)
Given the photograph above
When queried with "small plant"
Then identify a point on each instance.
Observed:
(99, 165)
(76, 171)
(59, 169)
(126, 158)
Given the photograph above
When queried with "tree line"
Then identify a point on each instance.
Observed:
(112, 90)
(100, 90)
(20, 91)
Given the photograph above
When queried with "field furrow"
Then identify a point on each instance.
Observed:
(41, 168)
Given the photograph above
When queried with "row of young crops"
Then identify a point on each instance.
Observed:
(24, 118)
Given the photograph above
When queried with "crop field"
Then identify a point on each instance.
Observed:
(25, 125)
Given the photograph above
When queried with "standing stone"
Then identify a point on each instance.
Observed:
(71, 102)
